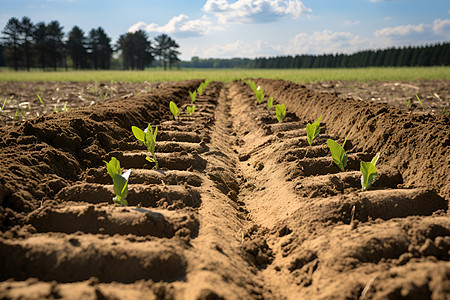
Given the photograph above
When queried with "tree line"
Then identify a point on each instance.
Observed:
(26, 45)
(429, 55)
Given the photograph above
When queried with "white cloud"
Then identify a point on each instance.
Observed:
(181, 26)
(238, 48)
(400, 31)
(255, 11)
(327, 41)
(441, 27)
(350, 23)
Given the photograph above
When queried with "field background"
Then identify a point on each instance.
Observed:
(228, 75)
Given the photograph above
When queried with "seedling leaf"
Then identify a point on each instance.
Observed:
(138, 134)
(338, 153)
(419, 100)
(192, 95)
(269, 103)
(120, 189)
(368, 172)
(174, 108)
(148, 138)
(200, 88)
(120, 181)
(190, 109)
(40, 99)
(259, 94)
(280, 112)
(313, 130)
(4, 103)
(113, 167)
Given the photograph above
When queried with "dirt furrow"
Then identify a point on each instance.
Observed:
(301, 205)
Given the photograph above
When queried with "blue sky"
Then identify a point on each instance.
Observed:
(252, 28)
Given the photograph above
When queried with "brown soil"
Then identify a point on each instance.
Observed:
(242, 207)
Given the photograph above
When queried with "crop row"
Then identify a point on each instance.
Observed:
(368, 169)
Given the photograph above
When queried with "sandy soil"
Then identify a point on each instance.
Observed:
(242, 207)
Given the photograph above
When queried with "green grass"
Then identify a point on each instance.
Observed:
(228, 75)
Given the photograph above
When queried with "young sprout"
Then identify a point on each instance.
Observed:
(192, 95)
(4, 103)
(148, 138)
(368, 172)
(313, 130)
(280, 112)
(207, 82)
(190, 109)
(408, 103)
(252, 85)
(419, 100)
(120, 181)
(200, 88)
(444, 112)
(338, 153)
(174, 109)
(259, 94)
(42, 101)
(269, 103)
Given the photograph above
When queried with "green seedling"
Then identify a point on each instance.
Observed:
(17, 114)
(200, 88)
(4, 103)
(369, 172)
(65, 107)
(42, 101)
(338, 153)
(408, 103)
(207, 82)
(193, 95)
(174, 109)
(280, 112)
(259, 94)
(419, 100)
(149, 89)
(147, 137)
(313, 130)
(190, 109)
(444, 112)
(269, 103)
(252, 85)
(120, 181)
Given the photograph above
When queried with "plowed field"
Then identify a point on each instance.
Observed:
(241, 207)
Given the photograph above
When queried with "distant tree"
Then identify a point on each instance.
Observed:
(55, 43)
(99, 48)
(26, 35)
(12, 40)
(162, 44)
(173, 53)
(136, 50)
(92, 44)
(40, 36)
(2, 55)
(166, 50)
(76, 47)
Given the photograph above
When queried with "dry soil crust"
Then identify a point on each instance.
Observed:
(243, 207)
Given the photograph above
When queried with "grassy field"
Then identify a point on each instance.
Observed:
(228, 75)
